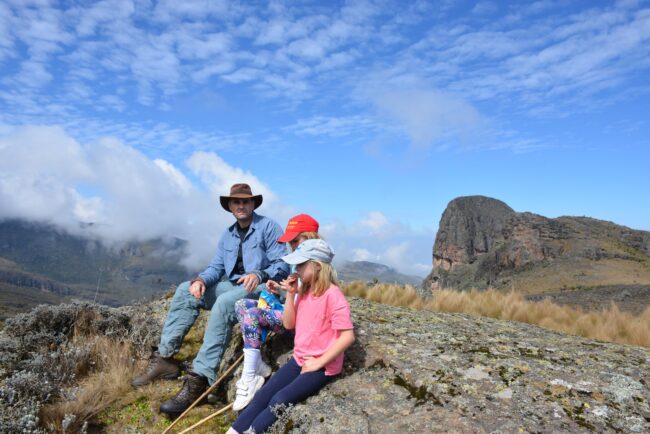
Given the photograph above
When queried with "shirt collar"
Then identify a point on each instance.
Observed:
(256, 218)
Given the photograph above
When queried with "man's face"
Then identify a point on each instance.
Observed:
(242, 209)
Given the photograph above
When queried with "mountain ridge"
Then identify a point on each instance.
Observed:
(43, 260)
(374, 272)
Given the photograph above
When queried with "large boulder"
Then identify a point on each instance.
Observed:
(481, 242)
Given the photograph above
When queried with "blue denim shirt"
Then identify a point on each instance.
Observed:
(261, 252)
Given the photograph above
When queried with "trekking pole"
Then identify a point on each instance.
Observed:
(205, 419)
(210, 389)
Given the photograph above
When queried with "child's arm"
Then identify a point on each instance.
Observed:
(290, 284)
(345, 339)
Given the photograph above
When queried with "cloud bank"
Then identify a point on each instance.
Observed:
(46, 175)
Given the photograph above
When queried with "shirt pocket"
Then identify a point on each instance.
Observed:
(255, 254)
(230, 257)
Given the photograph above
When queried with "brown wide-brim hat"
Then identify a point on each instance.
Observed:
(240, 191)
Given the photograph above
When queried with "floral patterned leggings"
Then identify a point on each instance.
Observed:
(253, 320)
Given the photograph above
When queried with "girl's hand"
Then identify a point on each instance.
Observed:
(272, 286)
(290, 284)
(310, 364)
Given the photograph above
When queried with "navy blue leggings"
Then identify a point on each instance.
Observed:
(287, 386)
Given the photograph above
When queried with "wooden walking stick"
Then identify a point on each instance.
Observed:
(205, 419)
(210, 389)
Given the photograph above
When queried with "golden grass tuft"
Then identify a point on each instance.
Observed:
(610, 324)
(113, 368)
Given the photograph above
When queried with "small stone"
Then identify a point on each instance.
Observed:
(505, 394)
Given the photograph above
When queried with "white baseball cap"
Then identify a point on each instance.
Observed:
(310, 250)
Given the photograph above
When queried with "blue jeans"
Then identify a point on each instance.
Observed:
(287, 386)
(220, 300)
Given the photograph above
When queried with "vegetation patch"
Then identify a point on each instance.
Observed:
(420, 394)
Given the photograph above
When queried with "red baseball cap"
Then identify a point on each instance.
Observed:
(297, 225)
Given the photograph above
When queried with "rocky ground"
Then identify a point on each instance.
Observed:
(410, 372)
(416, 371)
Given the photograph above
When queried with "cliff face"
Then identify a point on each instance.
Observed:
(482, 242)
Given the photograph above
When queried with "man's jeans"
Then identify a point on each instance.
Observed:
(184, 310)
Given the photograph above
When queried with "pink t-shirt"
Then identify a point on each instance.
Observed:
(318, 322)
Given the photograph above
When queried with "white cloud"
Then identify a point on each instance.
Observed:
(289, 52)
(376, 238)
(46, 175)
(362, 255)
(429, 117)
(219, 175)
(177, 177)
(375, 220)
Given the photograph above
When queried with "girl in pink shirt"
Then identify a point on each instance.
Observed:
(320, 315)
(257, 318)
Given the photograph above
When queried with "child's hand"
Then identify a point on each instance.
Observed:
(272, 286)
(310, 364)
(290, 284)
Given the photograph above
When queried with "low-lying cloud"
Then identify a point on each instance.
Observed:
(376, 238)
(48, 176)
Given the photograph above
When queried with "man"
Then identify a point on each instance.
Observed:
(247, 256)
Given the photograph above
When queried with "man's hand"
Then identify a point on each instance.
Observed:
(197, 288)
(310, 364)
(250, 282)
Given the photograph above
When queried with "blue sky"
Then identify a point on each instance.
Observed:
(369, 115)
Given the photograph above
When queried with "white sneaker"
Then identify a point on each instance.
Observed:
(263, 369)
(246, 391)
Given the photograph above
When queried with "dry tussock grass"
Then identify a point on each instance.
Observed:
(112, 365)
(609, 324)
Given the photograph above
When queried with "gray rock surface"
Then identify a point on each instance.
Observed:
(408, 372)
(417, 371)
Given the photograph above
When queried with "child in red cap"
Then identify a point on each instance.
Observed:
(258, 317)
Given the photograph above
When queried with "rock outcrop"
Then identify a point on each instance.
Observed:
(417, 371)
(482, 242)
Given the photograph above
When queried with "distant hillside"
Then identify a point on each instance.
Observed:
(42, 264)
(482, 242)
(370, 272)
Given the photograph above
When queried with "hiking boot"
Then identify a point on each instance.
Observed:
(193, 386)
(246, 391)
(263, 369)
(159, 367)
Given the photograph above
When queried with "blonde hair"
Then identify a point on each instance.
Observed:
(321, 279)
(308, 236)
